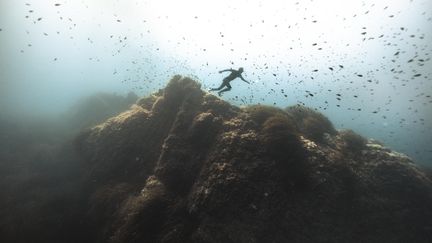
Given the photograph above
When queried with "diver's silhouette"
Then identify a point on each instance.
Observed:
(226, 81)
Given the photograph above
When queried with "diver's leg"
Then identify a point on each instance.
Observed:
(224, 83)
(219, 88)
(228, 88)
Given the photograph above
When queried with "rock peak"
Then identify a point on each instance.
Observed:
(185, 166)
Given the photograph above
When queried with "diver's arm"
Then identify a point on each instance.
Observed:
(226, 70)
(241, 77)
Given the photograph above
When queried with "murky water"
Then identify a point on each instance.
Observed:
(365, 64)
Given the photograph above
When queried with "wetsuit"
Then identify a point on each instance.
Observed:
(226, 81)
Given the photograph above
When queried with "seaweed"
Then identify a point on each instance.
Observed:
(311, 123)
(353, 141)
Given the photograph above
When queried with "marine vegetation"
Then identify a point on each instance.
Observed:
(353, 141)
(311, 123)
(260, 113)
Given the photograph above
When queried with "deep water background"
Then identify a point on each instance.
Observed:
(364, 64)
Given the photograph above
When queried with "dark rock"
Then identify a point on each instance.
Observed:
(185, 166)
(311, 123)
(96, 108)
(202, 170)
(352, 141)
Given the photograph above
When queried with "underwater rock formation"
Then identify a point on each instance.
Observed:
(184, 166)
(96, 108)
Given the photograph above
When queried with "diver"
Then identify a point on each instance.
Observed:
(226, 81)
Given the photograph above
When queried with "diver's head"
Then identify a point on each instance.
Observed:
(241, 69)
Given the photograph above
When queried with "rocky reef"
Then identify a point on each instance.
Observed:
(185, 166)
(96, 108)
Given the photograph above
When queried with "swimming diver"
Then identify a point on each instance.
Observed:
(226, 81)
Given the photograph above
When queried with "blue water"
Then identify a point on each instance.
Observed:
(363, 64)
